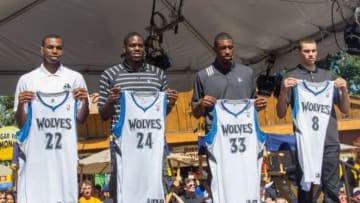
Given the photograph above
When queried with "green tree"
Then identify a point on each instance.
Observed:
(7, 115)
(346, 66)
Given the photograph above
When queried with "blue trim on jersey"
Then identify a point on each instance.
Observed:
(315, 92)
(335, 92)
(260, 134)
(53, 108)
(118, 126)
(23, 133)
(296, 102)
(209, 137)
(142, 107)
(234, 113)
(76, 106)
(165, 106)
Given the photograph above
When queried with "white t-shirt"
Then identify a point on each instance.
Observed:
(42, 80)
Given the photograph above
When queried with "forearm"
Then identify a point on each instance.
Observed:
(169, 107)
(198, 110)
(171, 195)
(106, 111)
(20, 116)
(281, 105)
(345, 102)
(83, 112)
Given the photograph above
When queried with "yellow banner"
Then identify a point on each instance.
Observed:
(7, 139)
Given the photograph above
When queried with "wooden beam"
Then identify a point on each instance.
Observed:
(343, 125)
(95, 144)
(278, 129)
(181, 137)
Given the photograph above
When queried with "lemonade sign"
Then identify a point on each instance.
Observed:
(7, 139)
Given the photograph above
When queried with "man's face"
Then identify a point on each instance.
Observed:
(52, 50)
(224, 50)
(190, 186)
(308, 53)
(134, 50)
(86, 191)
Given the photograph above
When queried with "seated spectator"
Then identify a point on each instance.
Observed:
(10, 197)
(2, 197)
(356, 194)
(281, 200)
(97, 191)
(342, 196)
(87, 193)
(173, 195)
(105, 194)
(189, 195)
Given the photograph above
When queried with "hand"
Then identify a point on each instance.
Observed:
(288, 83)
(260, 103)
(207, 101)
(25, 97)
(80, 94)
(341, 84)
(172, 96)
(114, 95)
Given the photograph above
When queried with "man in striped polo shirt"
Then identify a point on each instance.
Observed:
(132, 74)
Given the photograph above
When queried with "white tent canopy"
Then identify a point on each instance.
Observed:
(93, 31)
(346, 147)
(96, 163)
(4, 170)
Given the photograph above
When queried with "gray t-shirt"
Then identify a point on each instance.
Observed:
(319, 75)
(215, 81)
(194, 199)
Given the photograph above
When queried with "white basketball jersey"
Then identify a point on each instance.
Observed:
(140, 137)
(311, 113)
(48, 151)
(235, 145)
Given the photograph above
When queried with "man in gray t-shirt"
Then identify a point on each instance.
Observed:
(223, 79)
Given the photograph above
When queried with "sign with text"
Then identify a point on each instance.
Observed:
(7, 139)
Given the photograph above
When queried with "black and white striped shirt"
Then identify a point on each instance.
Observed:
(147, 78)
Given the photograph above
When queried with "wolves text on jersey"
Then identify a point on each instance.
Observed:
(56, 123)
(145, 124)
(320, 108)
(237, 128)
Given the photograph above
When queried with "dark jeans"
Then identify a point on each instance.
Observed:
(329, 177)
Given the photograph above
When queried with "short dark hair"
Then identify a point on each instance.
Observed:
(129, 35)
(305, 40)
(52, 35)
(221, 35)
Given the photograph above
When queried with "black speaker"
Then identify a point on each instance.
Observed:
(352, 34)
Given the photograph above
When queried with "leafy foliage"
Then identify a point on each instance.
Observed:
(7, 115)
(346, 66)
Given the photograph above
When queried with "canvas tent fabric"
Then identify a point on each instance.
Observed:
(93, 31)
(96, 163)
(4, 170)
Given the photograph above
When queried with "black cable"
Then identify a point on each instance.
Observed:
(178, 16)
